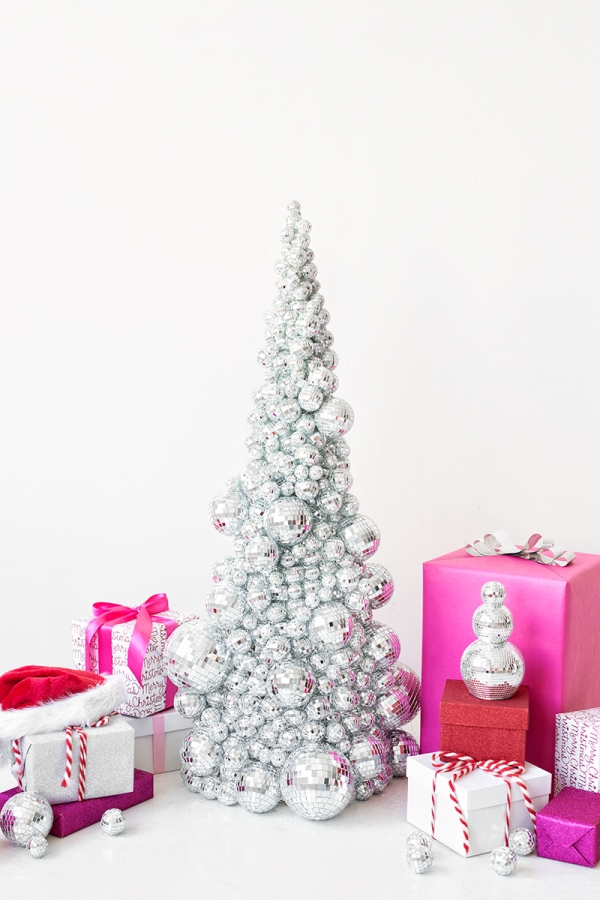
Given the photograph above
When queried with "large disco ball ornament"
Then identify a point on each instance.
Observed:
(317, 783)
(361, 537)
(287, 520)
(331, 626)
(292, 684)
(377, 585)
(197, 657)
(226, 604)
(402, 745)
(382, 645)
(200, 755)
(407, 679)
(228, 511)
(25, 816)
(335, 418)
(262, 553)
(258, 788)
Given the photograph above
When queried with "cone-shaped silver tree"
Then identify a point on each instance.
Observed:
(295, 690)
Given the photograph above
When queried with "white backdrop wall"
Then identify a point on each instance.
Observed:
(447, 155)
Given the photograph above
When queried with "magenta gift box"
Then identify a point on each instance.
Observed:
(71, 817)
(556, 614)
(568, 828)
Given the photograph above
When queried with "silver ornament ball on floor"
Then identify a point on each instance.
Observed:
(522, 841)
(24, 816)
(38, 846)
(503, 861)
(113, 822)
(317, 783)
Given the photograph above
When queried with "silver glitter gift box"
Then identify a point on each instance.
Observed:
(109, 770)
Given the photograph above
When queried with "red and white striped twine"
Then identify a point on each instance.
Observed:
(69, 756)
(82, 754)
(18, 762)
(461, 765)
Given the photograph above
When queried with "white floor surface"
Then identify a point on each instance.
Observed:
(179, 844)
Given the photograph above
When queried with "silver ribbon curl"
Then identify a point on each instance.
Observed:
(538, 548)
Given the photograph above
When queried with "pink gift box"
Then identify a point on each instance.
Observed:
(556, 614)
(568, 828)
(72, 817)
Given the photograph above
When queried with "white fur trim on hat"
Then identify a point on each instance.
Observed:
(79, 709)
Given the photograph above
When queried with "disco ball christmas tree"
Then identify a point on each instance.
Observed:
(295, 690)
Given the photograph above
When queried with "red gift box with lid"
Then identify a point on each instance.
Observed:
(484, 729)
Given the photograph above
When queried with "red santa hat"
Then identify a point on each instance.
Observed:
(41, 699)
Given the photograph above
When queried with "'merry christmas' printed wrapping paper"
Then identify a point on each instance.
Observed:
(577, 750)
(156, 692)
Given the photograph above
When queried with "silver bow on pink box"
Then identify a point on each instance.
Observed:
(540, 549)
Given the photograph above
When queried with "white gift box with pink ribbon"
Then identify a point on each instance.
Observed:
(470, 813)
(158, 740)
(63, 767)
(130, 641)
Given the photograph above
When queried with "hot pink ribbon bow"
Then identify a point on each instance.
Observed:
(114, 614)
(508, 771)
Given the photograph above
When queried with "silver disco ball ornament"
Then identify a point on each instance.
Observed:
(226, 604)
(377, 585)
(406, 678)
(24, 816)
(112, 822)
(288, 520)
(393, 708)
(382, 645)
(37, 846)
(200, 755)
(419, 858)
(262, 553)
(292, 684)
(317, 783)
(491, 667)
(367, 756)
(522, 841)
(402, 745)
(258, 788)
(197, 657)
(331, 626)
(228, 511)
(189, 704)
(503, 861)
(335, 418)
(361, 537)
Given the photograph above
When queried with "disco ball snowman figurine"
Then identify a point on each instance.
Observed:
(295, 691)
(491, 667)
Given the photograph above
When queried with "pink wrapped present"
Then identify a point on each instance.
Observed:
(568, 828)
(130, 641)
(71, 817)
(556, 614)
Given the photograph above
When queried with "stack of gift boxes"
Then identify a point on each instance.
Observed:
(90, 767)
(550, 726)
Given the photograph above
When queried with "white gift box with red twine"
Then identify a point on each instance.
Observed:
(469, 812)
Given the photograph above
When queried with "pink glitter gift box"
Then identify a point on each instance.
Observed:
(568, 828)
(72, 817)
(556, 614)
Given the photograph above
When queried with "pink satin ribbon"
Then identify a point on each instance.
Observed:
(106, 615)
(159, 754)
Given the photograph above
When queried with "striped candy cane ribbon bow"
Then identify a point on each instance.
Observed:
(76, 729)
(509, 772)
